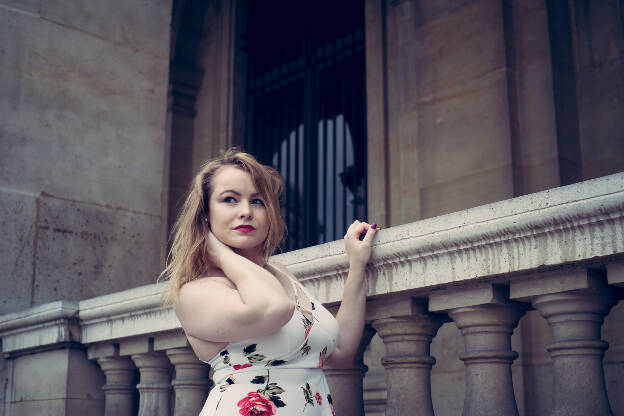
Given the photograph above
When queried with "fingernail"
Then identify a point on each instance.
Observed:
(374, 226)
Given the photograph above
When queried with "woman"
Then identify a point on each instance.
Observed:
(264, 336)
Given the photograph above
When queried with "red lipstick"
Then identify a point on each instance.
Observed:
(245, 228)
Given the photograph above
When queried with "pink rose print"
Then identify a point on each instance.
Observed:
(307, 330)
(255, 404)
(322, 356)
(241, 366)
(319, 399)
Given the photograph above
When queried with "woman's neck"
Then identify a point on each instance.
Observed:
(252, 254)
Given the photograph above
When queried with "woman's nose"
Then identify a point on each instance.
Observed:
(245, 210)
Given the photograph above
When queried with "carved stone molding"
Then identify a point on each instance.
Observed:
(42, 327)
(578, 222)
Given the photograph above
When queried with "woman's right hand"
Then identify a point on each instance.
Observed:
(216, 249)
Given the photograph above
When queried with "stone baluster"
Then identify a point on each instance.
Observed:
(154, 384)
(486, 319)
(191, 383)
(408, 361)
(575, 317)
(346, 385)
(121, 396)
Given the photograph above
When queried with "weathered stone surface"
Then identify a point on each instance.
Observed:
(453, 136)
(215, 98)
(547, 228)
(97, 246)
(599, 54)
(462, 42)
(55, 374)
(135, 24)
(154, 384)
(171, 340)
(31, 6)
(121, 395)
(76, 125)
(51, 324)
(40, 377)
(191, 383)
(613, 362)
(125, 314)
(18, 216)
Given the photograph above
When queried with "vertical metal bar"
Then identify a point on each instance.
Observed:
(343, 109)
(355, 134)
(334, 140)
(361, 102)
(324, 127)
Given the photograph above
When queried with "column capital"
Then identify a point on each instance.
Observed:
(474, 295)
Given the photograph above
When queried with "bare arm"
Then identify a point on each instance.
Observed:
(352, 310)
(253, 304)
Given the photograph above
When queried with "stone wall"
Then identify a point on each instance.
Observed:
(82, 130)
(82, 133)
(469, 102)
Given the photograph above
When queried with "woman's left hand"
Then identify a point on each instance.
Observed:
(359, 251)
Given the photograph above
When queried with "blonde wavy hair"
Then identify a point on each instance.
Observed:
(187, 260)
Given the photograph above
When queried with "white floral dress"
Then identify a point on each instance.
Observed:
(279, 374)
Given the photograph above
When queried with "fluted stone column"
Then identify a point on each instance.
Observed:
(408, 362)
(488, 357)
(346, 384)
(577, 350)
(191, 383)
(155, 383)
(120, 393)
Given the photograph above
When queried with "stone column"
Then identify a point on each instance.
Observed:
(574, 303)
(191, 383)
(155, 383)
(408, 362)
(577, 350)
(121, 396)
(488, 357)
(486, 318)
(346, 384)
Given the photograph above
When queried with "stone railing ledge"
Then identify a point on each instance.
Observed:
(119, 303)
(128, 313)
(573, 223)
(40, 327)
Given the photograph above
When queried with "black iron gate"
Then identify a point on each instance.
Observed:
(306, 111)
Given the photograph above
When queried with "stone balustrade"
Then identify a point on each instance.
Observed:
(559, 252)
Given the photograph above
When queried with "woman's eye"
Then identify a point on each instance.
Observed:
(229, 199)
(257, 201)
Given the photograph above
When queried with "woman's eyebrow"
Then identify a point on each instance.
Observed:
(229, 190)
(255, 194)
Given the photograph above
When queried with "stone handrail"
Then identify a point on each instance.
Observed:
(461, 264)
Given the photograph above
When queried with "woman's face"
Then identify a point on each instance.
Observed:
(237, 213)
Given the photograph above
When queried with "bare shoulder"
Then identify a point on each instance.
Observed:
(281, 268)
(203, 289)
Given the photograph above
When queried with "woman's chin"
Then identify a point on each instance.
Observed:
(247, 250)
